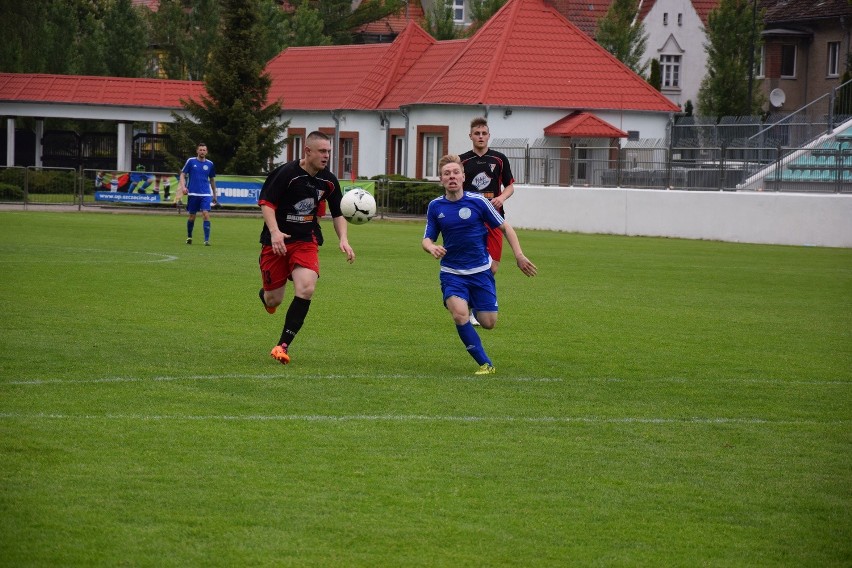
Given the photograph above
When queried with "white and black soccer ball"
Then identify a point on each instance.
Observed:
(358, 206)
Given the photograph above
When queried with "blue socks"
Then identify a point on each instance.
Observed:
(189, 226)
(473, 343)
(206, 231)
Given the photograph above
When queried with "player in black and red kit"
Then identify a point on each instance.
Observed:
(488, 172)
(289, 201)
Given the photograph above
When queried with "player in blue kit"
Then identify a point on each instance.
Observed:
(198, 181)
(463, 219)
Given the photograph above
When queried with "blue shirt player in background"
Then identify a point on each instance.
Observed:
(198, 181)
(463, 219)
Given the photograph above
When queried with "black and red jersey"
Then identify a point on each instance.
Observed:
(487, 174)
(295, 196)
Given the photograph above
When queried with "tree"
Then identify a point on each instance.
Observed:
(305, 27)
(843, 95)
(125, 40)
(622, 34)
(339, 19)
(439, 22)
(241, 130)
(724, 89)
(481, 11)
(184, 34)
(273, 29)
(655, 78)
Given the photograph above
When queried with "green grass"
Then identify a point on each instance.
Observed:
(657, 403)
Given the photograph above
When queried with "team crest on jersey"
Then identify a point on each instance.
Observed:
(492, 167)
(305, 206)
(464, 213)
(481, 181)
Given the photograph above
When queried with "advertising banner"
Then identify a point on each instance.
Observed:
(141, 187)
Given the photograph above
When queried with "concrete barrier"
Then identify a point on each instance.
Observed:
(741, 217)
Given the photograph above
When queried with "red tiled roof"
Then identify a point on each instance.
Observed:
(778, 11)
(121, 91)
(528, 54)
(395, 23)
(409, 49)
(583, 125)
(704, 7)
(321, 78)
(152, 5)
(425, 68)
(583, 13)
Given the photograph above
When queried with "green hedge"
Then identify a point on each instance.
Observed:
(11, 192)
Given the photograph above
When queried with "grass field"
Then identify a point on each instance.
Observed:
(657, 403)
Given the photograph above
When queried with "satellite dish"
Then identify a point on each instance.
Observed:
(777, 98)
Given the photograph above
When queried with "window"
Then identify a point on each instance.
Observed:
(680, 19)
(581, 164)
(833, 58)
(398, 155)
(295, 143)
(665, 18)
(346, 151)
(432, 144)
(457, 7)
(670, 68)
(761, 58)
(788, 60)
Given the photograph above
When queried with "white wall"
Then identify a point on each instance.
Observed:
(746, 217)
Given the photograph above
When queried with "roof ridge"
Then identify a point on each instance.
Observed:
(497, 58)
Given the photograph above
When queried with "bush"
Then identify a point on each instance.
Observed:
(406, 195)
(10, 192)
(52, 182)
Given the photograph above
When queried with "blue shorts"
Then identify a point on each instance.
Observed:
(478, 290)
(196, 203)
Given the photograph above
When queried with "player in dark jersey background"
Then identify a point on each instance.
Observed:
(488, 172)
(289, 201)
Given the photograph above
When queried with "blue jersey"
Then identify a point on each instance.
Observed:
(463, 226)
(200, 173)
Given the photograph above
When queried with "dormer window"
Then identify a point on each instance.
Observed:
(665, 18)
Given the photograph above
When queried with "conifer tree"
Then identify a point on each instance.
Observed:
(241, 130)
(622, 34)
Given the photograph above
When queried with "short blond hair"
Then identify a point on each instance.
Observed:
(448, 159)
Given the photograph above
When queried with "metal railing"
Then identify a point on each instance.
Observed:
(777, 168)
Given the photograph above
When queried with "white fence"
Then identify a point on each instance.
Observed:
(742, 217)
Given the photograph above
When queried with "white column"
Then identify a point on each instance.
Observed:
(39, 148)
(10, 142)
(125, 146)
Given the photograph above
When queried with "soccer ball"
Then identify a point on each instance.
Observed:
(358, 206)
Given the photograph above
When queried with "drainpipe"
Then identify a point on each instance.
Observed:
(335, 115)
(384, 125)
(404, 111)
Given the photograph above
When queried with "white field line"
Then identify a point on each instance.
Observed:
(413, 376)
(352, 376)
(97, 256)
(413, 418)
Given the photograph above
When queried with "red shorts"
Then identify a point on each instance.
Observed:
(276, 269)
(494, 243)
